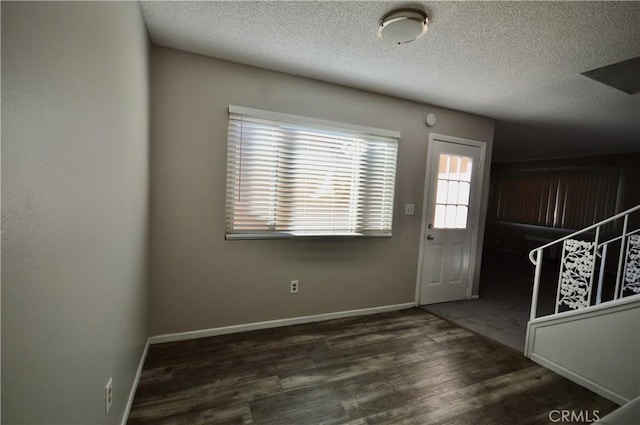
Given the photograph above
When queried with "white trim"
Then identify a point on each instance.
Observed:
(203, 333)
(590, 311)
(298, 119)
(423, 225)
(608, 307)
(580, 380)
(425, 201)
(528, 343)
(134, 386)
(615, 306)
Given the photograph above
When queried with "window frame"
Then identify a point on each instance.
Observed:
(366, 133)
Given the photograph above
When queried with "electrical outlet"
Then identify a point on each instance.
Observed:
(108, 395)
(293, 289)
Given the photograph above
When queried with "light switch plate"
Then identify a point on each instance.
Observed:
(409, 209)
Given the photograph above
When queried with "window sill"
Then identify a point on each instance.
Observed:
(304, 235)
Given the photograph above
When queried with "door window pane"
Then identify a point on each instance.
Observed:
(450, 219)
(452, 194)
(439, 217)
(465, 172)
(461, 217)
(441, 192)
(463, 193)
(443, 169)
(454, 173)
(453, 191)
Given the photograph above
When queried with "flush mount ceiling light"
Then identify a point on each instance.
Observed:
(403, 25)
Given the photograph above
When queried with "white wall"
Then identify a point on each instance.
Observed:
(598, 348)
(199, 280)
(74, 208)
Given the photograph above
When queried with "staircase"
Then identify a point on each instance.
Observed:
(591, 333)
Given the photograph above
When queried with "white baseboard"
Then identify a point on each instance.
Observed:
(134, 386)
(580, 380)
(203, 333)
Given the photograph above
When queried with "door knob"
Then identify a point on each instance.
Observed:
(429, 237)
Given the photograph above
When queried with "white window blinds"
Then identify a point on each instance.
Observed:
(291, 176)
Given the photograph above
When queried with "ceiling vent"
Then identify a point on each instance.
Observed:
(403, 25)
(624, 76)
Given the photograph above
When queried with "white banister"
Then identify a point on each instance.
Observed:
(617, 238)
(593, 266)
(559, 285)
(536, 284)
(603, 261)
(621, 257)
(586, 229)
(578, 265)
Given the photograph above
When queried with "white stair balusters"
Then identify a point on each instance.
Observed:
(581, 254)
(576, 274)
(632, 267)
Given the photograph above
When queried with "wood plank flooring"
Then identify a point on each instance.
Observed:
(406, 367)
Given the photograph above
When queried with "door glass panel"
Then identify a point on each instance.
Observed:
(441, 192)
(450, 220)
(453, 192)
(463, 193)
(443, 169)
(461, 217)
(439, 218)
(454, 173)
(465, 172)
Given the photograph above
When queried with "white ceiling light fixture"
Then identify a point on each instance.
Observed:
(403, 25)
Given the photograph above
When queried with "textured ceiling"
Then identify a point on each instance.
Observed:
(516, 62)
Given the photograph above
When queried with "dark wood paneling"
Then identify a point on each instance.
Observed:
(518, 238)
(406, 367)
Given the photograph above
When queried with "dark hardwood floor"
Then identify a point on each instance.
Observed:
(406, 367)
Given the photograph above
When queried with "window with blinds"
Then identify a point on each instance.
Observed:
(291, 176)
(562, 198)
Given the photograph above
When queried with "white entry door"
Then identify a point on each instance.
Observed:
(452, 192)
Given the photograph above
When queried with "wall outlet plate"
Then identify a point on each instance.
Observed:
(108, 395)
(293, 288)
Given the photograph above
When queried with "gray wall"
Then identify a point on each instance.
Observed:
(199, 280)
(74, 208)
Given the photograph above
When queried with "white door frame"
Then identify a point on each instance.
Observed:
(425, 202)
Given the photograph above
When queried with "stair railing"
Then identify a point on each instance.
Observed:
(603, 258)
(578, 265)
